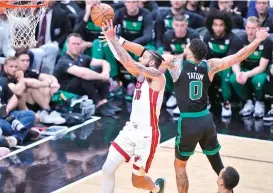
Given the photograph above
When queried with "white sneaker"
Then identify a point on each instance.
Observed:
(53, 118)
(226, 110)
(171, 102)
(259, 109)
(248, 109)
(176, 111)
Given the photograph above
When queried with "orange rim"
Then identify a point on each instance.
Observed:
(6, 4)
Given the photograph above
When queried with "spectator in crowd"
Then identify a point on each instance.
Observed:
(164, 19)
(89, 32)
(251, 75)
(239, 6)
(72, 10)
(39, 89)
(252, 11)
(51, 34)
(74, 75)
(222, 42)
(238, 21)
(14, 124)
(32, 87)
(152, 6)
(91, 45)
(174, 42)
(5, 41)
(266, 20)
(227, 180)
(269, 90)
(195, 7)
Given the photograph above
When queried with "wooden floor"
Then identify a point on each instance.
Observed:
(252, 158)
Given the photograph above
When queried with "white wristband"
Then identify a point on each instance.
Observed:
(121, 40)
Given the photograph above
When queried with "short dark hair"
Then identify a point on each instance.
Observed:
(222, 15)
(156, 57)
(9, 58)
(180, 17)
(230, 178)
(198, 48)
(21, 52)
(74, 35)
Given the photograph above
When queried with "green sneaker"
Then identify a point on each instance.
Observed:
(161, 183)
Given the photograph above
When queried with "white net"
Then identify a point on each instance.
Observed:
(23, 22)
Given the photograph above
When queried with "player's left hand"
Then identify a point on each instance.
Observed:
(108, 31)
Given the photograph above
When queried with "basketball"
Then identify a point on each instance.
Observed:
(102, 12)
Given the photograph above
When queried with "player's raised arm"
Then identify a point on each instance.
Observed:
(123, 56)
(135, 48)
(217, 64)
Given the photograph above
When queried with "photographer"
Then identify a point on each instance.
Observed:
(14, 124)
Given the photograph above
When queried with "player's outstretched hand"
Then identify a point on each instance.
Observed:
(262, 34)
(108, 31)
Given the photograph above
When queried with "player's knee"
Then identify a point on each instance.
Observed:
(232, 79)
(179, 163)
(106, 169)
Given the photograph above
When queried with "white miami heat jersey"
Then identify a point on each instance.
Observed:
(146, 103)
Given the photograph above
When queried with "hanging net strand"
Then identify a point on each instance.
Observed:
(23, 17)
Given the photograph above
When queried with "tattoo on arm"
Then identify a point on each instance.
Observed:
(175, 70)
(149, 71)
(182, 182)
(123, 55)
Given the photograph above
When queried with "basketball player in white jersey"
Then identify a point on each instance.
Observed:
(140, 136)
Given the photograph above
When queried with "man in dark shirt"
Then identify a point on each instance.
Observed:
(221, 43)
(262, 7)
(14, 124)
(165, 17)
(89, 32)
(196, 7)
(32, 87)
(238, 21)
(74, 75)
(174, 42)
(251, 74)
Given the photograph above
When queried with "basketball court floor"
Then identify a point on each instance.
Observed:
(71, 162)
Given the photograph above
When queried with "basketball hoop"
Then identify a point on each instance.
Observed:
(23, 17)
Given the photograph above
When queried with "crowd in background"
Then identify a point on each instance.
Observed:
(69, 59)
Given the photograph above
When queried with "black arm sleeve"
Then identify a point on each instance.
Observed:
(147, 34)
